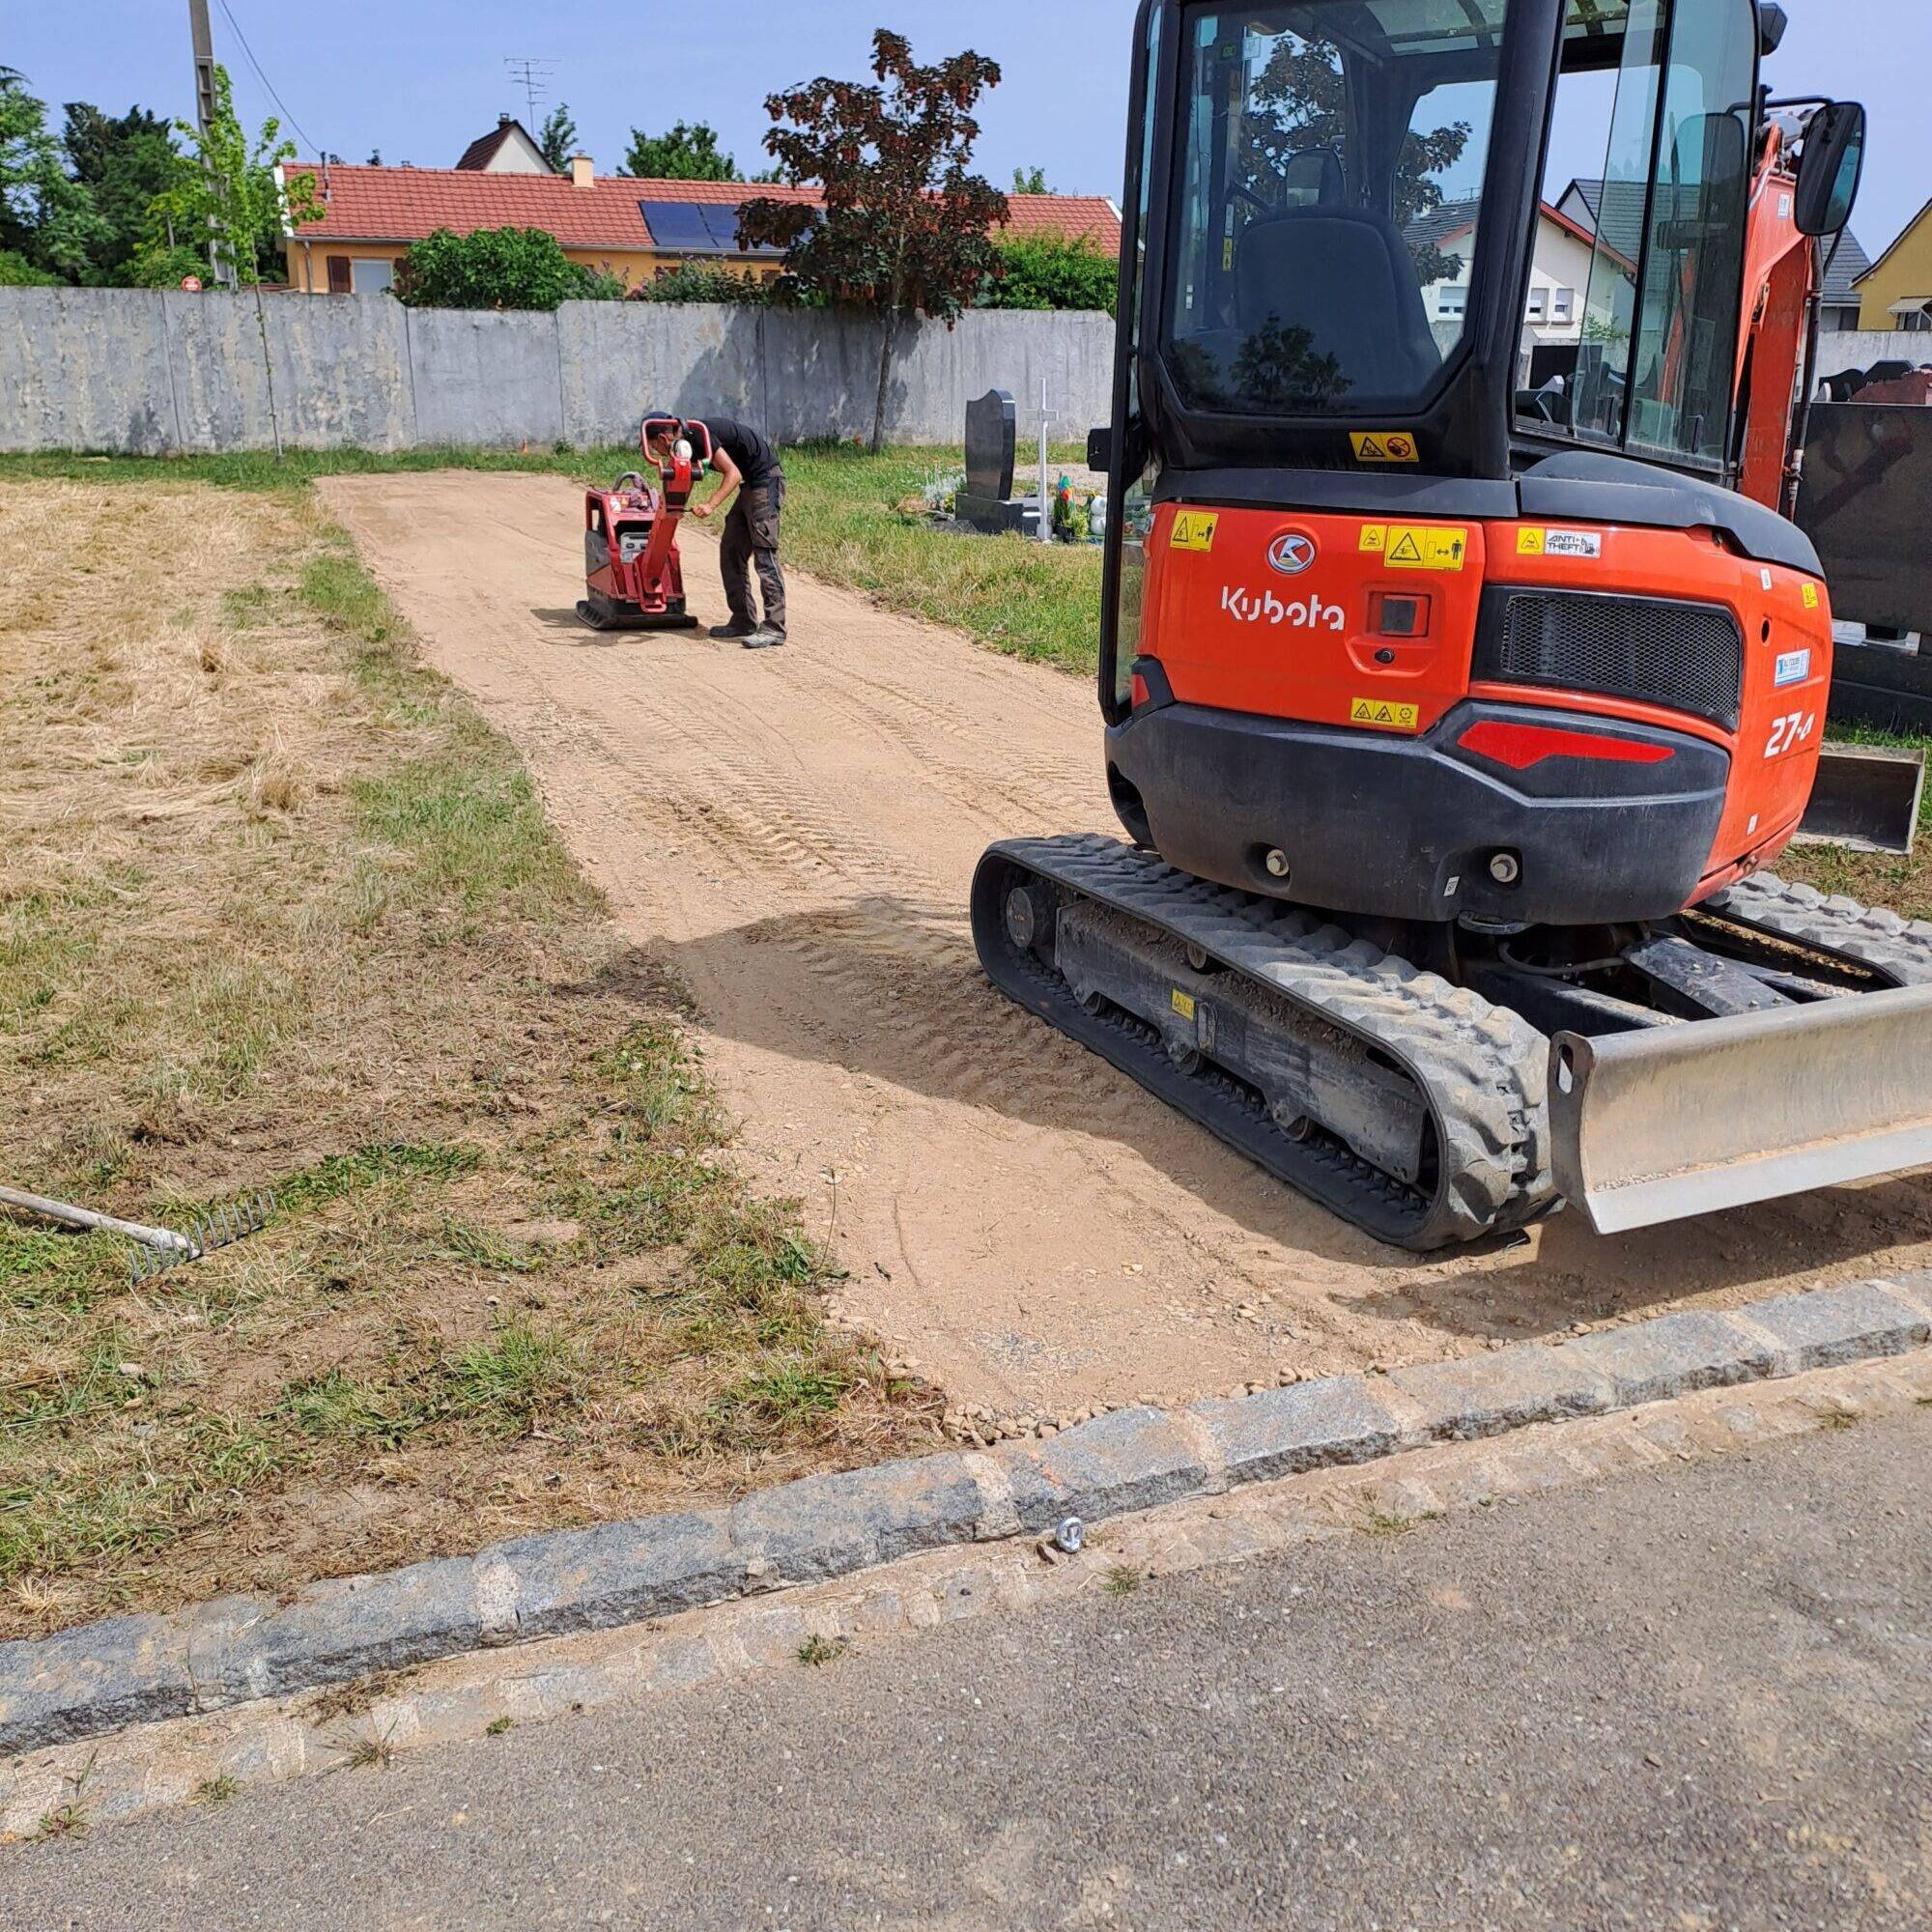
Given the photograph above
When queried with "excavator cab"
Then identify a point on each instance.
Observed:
(1460, 671)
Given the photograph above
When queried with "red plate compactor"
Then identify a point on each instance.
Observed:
(633, 580)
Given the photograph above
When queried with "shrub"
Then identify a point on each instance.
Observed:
(1045, 272)
(17, 272)
(498, 268)
(704, 282)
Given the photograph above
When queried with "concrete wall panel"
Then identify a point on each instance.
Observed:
(85, 369)
(342, 371)
(484, 378)
(220, 380)
(821, 375)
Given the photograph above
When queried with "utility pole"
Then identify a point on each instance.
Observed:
(203, 108)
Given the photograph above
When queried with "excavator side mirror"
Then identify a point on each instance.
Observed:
(1830, 167)
(1100, 450)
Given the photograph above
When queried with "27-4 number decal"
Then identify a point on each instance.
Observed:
(1788, 732)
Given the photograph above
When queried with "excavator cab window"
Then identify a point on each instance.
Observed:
(1654, 362)
(1328, 200)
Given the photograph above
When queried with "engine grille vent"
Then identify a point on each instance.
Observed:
(1687, 657)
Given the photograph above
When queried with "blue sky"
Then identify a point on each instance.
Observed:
(418, 78)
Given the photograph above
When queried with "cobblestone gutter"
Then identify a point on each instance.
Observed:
(100, 1677)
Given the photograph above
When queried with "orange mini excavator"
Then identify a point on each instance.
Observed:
(1453, 709)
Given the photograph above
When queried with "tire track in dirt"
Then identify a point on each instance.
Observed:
(793, 832)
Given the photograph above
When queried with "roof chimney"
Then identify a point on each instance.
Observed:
(583, 174)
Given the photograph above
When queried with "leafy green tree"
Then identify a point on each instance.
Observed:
(230, 194)
(1046, 271)
(227, 193)
(165, 265)
(686, 153)
(123, 161)
(906, 226)
(557, 138)
(498, 267)
(1030, 180)
(45, 215)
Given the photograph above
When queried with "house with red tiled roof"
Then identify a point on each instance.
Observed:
(507, 149)
(629, 227)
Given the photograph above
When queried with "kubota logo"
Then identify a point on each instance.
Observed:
(1263, 606)
(1291, 554)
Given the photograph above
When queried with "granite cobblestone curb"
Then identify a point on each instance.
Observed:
(102, 1676)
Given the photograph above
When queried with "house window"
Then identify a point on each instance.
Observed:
(1539, 304)
(1452, 300)
(1563, 305)
(1915, 318)
(338, 274)
(371, 278)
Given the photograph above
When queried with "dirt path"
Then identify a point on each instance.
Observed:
(793, 832)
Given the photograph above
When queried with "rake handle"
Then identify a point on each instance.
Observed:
(70, 1216)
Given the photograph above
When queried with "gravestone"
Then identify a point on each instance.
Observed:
(987, 501)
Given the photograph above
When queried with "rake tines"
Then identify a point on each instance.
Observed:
(219, 1228)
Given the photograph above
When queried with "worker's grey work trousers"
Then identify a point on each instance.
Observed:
(751, 536)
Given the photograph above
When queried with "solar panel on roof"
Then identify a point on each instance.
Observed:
(722, 216)
(677, 224)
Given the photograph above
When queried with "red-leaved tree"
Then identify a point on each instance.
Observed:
(906, 226)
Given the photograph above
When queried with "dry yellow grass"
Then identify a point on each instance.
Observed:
(277, 910)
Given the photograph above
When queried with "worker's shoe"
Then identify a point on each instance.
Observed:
(764, 638)
(727, 633)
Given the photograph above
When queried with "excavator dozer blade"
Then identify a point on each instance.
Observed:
(1664, 1123)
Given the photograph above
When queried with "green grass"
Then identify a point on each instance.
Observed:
(1903, 884)
(338, 1175)
(843, 523)
(502, 1388)
(469, 833)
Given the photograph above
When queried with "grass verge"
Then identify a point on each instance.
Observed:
(277, 910)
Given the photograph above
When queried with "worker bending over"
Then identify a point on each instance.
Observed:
(745, 461)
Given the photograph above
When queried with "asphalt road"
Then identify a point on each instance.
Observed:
(1694, 1700)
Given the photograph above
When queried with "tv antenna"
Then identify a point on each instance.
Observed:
(532, 74)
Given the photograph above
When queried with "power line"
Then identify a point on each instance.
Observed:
(229, 12)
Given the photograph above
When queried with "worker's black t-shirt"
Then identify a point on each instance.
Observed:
(756, 460)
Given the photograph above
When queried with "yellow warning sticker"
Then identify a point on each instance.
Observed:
(1810, 597)
(1412, 547)
(1384, 446)
(1194, 530)
(1530, 543)
(1384, 716)
(1183, 1003)
(1374, 538)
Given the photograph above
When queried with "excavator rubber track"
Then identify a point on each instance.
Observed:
(1897, 949)
(1407, 1105)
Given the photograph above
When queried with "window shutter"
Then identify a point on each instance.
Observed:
(338, 274)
